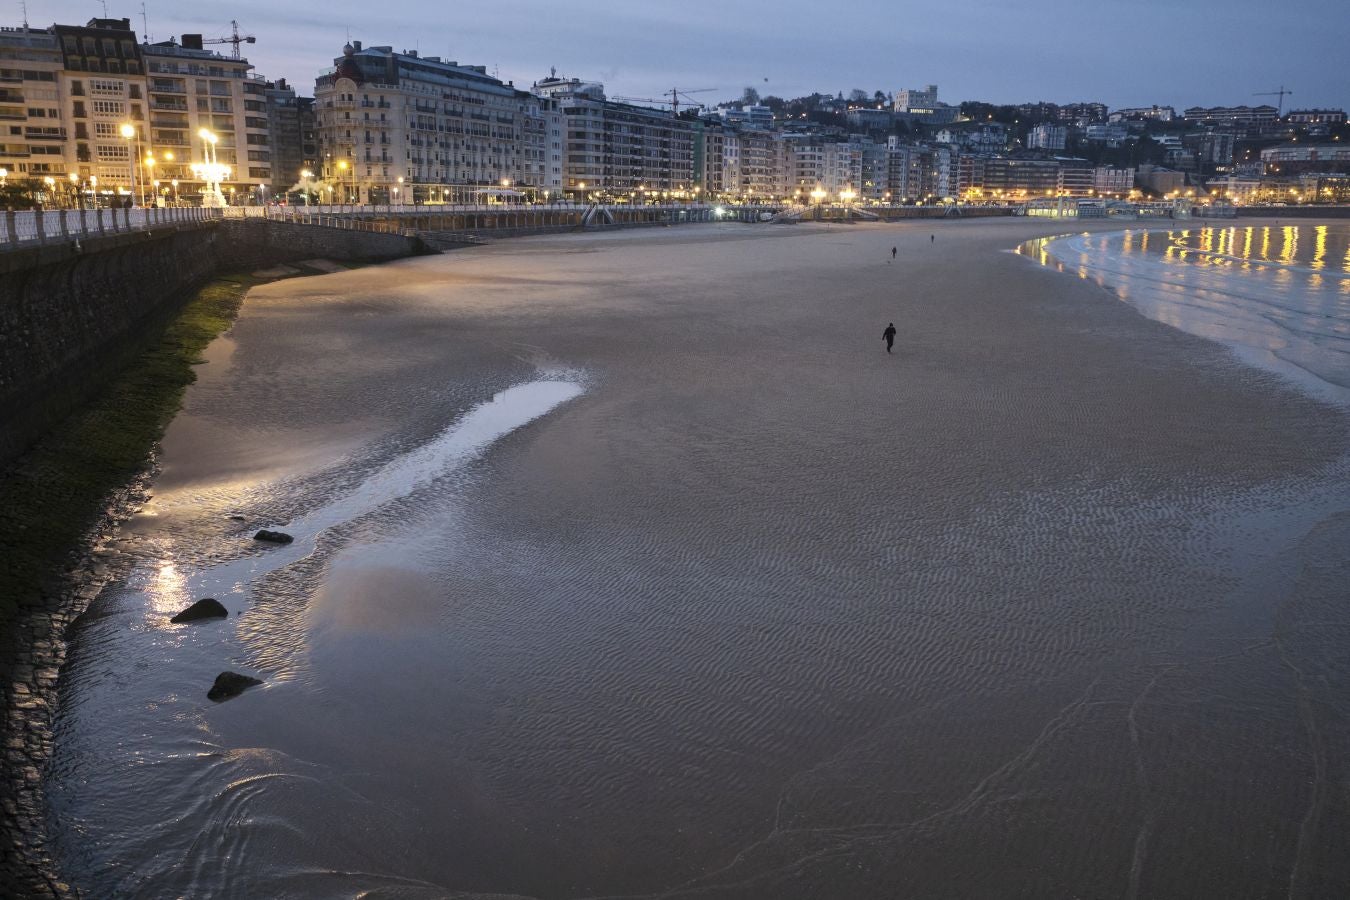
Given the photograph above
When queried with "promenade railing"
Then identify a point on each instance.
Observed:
(37, 227)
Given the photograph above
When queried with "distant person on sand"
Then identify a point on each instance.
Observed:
(932, 238)
(893, 249)
(889, 335)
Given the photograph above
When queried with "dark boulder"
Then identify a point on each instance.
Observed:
(230, 684)
(209, 608)
(273, 537)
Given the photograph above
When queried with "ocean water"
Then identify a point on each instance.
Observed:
(1277, 295)
(633, 566)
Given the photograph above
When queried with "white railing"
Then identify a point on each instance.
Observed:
(28, 228)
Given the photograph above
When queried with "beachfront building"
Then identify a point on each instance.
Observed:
(90, 101)
(1295, 157)
(295, 147)
(188, 89)
(1077, 177)
(1324, 188)
(874, 170)
(763, 165)
(915, 171)
(37, 112)
(817, 164)
(1110, 181)
(1159, 180)
(617, 149)
(399, 127)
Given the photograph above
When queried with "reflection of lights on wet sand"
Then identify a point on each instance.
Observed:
(1320, 249)
(167, 590)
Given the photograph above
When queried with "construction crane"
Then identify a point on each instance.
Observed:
(1280, 93)
(236, 39)
(674, 102)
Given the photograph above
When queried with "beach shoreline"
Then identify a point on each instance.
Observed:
(1010, 383)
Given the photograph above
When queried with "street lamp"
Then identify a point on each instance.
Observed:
(210, 171)
(75, 189)
(342, 168)
(398, 190)
(129, 132)
(174, 182)
(93, 189)
(306, 175)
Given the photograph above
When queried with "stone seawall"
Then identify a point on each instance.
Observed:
(71, 313)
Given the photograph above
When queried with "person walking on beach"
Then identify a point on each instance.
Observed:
(889, 336)
(893, 249)
(932, 238)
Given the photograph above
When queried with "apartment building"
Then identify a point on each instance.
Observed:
(68, 92)
(617, 148)
(189, 90)
(913, 171)
(412, 129)
(1112, 181)
(817, 163)
(295, 147)
(1048, 137)
(35, 118)
(764, 165)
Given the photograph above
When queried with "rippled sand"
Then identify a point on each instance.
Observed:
(1049, 603)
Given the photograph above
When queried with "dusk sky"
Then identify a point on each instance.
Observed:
(1178, 52)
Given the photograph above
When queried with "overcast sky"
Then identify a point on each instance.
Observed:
(1178, 52)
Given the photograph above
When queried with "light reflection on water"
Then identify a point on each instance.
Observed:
(1279, 296)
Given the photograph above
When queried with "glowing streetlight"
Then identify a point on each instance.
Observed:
(305, 176)
(128, 131)
(210, 171)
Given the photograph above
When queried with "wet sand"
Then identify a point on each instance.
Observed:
(1045, 604)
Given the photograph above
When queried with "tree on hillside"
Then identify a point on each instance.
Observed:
(750, 97)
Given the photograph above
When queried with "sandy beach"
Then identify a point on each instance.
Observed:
(1043, 604)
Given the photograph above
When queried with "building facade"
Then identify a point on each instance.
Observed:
(399, 127)
(68, 93)
(1111, 181)
(1048, 137)
(190, 89)
(294, 144)
(618, 149)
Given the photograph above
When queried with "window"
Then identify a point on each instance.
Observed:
(109, 107)
(105, 86)
(114, 151)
